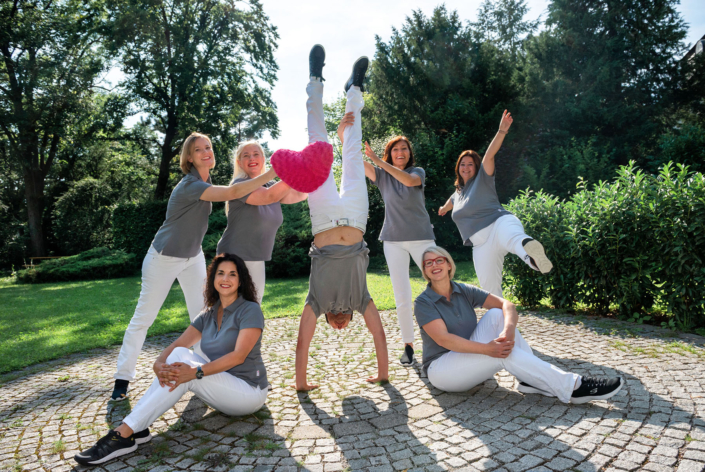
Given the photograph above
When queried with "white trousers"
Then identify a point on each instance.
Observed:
(459, 372)
(490, 245)
(397, 254)
(256, 270)
(158, 275)
(223, 392)
(328, 206)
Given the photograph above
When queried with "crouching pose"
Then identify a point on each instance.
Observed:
(460, 353)
(483, 223)
(233, 381)
(339, 255)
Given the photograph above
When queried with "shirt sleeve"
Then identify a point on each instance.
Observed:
(454, 197)
(251, 316)
(424, 311)
(199, 321)
(378, 177)
(421, 173)
(193, 188)
(476, 295)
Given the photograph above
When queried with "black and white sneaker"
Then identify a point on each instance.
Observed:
(593, 388)
(358, 74)
(107, 448)
(316, 61)
(142, 437)
(120, 390)
(524, 387)
(407, 358)
(537, 256)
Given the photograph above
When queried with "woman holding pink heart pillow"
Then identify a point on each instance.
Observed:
(253, 219)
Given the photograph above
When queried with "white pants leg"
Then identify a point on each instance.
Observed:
(256, 270)
(324, 203)
(353, 188)
(459, 372)
(503, 236)
(397, 254)
(223, 392)
(158, 275)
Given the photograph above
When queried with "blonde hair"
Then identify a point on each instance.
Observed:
(442, 252)
(187, 149)
(238, 172)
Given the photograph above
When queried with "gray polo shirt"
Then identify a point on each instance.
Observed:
(181, 234)
(405, 215)
(338, 281)
(476, 206)
(240, 314)
(251, 228)
(458, 314)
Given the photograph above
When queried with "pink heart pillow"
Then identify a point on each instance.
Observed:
(304, 171)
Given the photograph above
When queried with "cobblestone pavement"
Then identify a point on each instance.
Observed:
(655, 423)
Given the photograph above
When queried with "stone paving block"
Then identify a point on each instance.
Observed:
(310, 432)
(424, 411)
(389, 421)
(355, 428)
(690, 466)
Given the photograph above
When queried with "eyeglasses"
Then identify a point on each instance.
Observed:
(431, 262)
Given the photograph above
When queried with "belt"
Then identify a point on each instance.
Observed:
(352, 222)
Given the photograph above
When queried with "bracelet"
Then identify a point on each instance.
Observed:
(500, 131)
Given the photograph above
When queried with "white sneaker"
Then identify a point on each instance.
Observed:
(524, 387)
(537, 256)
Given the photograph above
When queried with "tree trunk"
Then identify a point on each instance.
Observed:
(168, 153)
(34, 194)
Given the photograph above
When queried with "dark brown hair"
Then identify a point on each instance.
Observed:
(387, 156)
(459, 182)
(246, 289)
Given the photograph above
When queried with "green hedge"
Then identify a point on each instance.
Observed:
(135, 224)
(98, 263)
(631, 243)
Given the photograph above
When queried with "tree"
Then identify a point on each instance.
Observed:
(50, 59)
(502, 23)
(197, 65)
(603, 69)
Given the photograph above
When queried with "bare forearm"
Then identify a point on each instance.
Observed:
(406, 179)
(224, 363)
(456, 343)
(382, 357)
(495, 145)
(511, 316)
(241, 189)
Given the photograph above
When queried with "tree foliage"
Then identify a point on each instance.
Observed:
(196, 65)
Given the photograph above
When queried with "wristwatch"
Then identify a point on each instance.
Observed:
(199, 373)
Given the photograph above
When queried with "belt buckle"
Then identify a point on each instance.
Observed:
(343, 222)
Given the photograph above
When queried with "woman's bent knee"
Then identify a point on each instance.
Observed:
(179, 354)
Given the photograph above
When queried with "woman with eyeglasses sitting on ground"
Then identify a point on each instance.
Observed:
(233, 381)
(459, 352)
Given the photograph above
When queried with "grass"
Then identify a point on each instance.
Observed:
(62, 318)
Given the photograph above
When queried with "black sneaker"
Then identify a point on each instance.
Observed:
(593, 388)
(120, 390)
(537, 255)
(407, 358)
(107, 448)
(524, 387)
(142, 437)
(358, 74)
(316, 59)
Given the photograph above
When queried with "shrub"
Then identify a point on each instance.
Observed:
(98, 263)
(627, 243)
(82, 216)
(135, 224)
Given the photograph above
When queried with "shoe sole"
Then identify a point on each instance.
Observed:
(524, 389)
(590, 398)
(143, 440)
(109, 457)
(118, 399)
(413, 361)
(535, 250)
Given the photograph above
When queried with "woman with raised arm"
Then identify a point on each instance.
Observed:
(407, 228)
(175, 253)
(483, 223)
(253, 219)
(231, 377)
(459, 352)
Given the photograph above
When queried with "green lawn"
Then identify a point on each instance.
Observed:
(46, 321)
